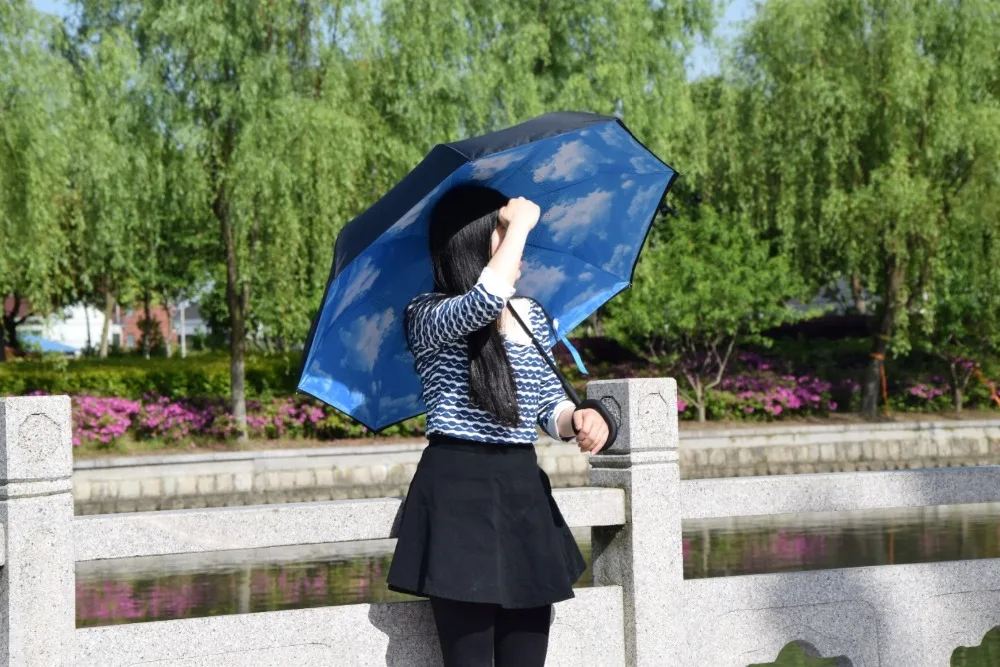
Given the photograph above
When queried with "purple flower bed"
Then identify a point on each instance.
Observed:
(928, 393)
(102, 421)
(755, 389)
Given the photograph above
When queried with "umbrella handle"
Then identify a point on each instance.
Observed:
(598, 407)
(588, 404)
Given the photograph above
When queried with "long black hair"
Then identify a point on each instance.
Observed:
(461, 227)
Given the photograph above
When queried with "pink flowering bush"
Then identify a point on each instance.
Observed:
(172, 420)
(102, 419)
(758, 391)
(925, 394)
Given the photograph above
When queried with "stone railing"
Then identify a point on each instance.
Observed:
(185, 481)
(640, 611)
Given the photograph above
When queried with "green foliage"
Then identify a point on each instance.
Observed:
(987, 653)
(36, 134)
(876, 121)
(707, 283)
(794, 655)
(205, 376)
(157, 150)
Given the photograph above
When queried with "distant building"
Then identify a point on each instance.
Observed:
(193, 323)
(170, 322)
(131, 333)
(78, 327)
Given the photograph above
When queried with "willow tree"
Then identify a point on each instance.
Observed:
(257, 110)
(711, 278)
(110, 173)
(453, 68)
(36, 117)
(963, 325)
(493, 64)
(877, 116)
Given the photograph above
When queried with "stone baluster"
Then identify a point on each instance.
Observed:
(37, 598)
(645, 556)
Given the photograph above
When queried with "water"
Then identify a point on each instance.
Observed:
(161, 588)
(158, 588)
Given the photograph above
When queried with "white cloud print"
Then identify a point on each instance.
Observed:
(540, 281)
(362, 279)
(618, 264)
(643, 164)
(570, 221)
(488, 167)
(583, 297)
(613, 136)
(644, 198)
(364, 339)
(573, 161)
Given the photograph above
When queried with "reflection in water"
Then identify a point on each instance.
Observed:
(239, 582)
(752, 545)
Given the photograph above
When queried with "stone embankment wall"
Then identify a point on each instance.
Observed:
(247, 478)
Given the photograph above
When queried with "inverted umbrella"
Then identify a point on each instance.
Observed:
(598, 188)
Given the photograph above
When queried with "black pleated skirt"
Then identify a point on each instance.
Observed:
(480, 525)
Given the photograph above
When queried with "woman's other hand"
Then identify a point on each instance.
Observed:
(520, 213)
(591, 430)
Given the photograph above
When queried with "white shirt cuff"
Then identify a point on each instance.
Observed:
(495, 285)
(552, 428)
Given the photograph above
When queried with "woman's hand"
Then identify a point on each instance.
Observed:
(520, 213)
(591, 430)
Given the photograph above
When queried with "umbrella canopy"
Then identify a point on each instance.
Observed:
(598, 188)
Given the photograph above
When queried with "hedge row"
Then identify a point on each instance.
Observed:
(132, 378)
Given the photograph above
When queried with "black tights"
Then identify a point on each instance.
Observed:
(487, 635)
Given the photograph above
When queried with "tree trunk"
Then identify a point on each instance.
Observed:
(183, 334)
(872, 386)
(237, 294)
(699, 396)
(957, 398)
(86, 317)
(148, 326)
(10, 332)
(858, 294)
(109, 307)
(170, 327)
(9, 326)
(237, 333)
(237, 341)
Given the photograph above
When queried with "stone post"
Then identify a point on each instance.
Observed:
(37, 590)
(645, 556)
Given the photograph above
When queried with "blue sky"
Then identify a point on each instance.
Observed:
(703, 61)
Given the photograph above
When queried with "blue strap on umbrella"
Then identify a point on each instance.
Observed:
(576, 355)
(581, 404)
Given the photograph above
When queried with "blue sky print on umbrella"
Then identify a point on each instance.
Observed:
(598, 188)
(572, 161)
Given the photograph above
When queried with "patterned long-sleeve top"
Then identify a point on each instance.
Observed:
(438, 327)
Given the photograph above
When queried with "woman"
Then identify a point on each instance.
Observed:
(480, 534)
